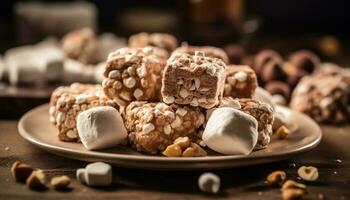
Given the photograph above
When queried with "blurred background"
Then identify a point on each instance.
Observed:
(240, 27)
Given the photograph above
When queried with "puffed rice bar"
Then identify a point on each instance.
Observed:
(133, 74)
(210, 51)
(324, 96)
(68, 107)
(80, 45)
(193, 79)
(154, 126)
(161, 40)
(74, 88)
(264, 114)
(241, 82)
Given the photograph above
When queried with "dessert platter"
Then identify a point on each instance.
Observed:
(160, 106)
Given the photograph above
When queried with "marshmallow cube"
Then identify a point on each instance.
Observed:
(101, 127)
(264, 96)
(95, 174)
(231, 131)
(209, 183)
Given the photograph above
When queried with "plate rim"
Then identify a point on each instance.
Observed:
(149, 158)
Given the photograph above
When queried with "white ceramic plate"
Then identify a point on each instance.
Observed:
(36, 128)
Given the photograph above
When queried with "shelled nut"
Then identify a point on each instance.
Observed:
(21, 171)
(183, 142)
(36, 180)
(60, 182)
(173, 150)
(282, 132)
(276, 178)
(309, 173)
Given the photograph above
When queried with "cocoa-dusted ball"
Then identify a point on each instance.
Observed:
(235, 53)
(263, 57)
(278, 87)
(272, 71)
(305, 60)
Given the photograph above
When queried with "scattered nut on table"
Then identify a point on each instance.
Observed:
(276, 178)
(36, 180)
(282, 132)
(292, 190)
(290, 184)
(21, 171)
(291, 194)
(209, 183)
(308, 173)
(60, 182)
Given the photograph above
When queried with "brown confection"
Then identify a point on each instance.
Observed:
(305, 60)
(241, 81)
(325, 96)
(272, 70)
(74, 88)
(278, 87)
(160, 40)
(235, 53)
(209, 51)
(154, 126)
(133, 74)
(263, 57)
(80, 45)
(293, 73)
(193, 79)
(68, 107)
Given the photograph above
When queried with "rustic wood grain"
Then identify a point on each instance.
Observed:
(240, 183)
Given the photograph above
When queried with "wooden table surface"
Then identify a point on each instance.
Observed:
(331, 157)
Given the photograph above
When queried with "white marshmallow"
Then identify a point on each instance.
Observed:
(264, 96)
(279, 100)
(231, 131)
(95, 174)
(51, 60)
(280, 120)
(209, 183)
(98, 75)
(101, 127)
(75, 71)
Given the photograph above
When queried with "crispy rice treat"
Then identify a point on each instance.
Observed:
(154, 126)
(262, 112)
(74, 88)
(324, 96)
(80, 45)
(193, 79)
(134, 74)
(209, 51)
(241, 82)
(68, 107)
(160, 40)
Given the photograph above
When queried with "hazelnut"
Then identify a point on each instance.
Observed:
(278, 87)
(189, 152)
(60, 182)
(308, 173)
(21, 171)
(36, 180)
(291, 194)
(276, 178)
(173, 150)
(198, 151)
(305, 60)
(183, 142)
(282, 132)
(290, 184)
(209, 183)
